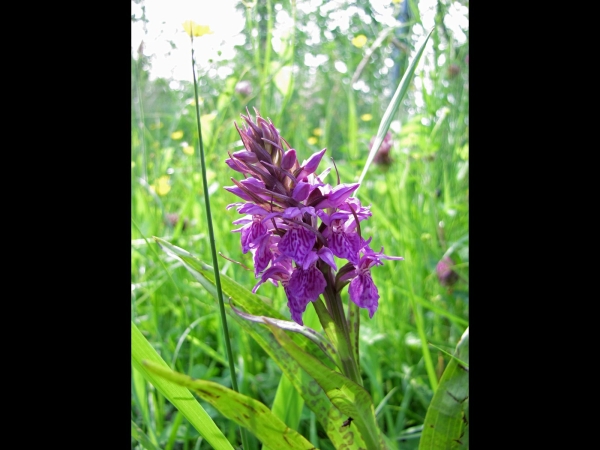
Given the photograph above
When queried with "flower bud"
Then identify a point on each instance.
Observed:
(446, 275)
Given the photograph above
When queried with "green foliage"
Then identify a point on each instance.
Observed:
(297, 371)
(143, 354)
(447, 421)
(242, 409)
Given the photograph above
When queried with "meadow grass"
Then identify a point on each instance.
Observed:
(420, 211)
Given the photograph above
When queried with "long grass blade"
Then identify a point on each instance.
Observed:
(447, 421)
(213, 249)
(179, 396)
(393, 107)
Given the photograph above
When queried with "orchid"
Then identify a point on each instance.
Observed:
(295, 224)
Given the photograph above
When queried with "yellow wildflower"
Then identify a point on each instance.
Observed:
(312, 140)
(162, 187)
(188, 150)
(196, 30)
(366, 117)
(359, 41)
(318, 132)
(176, 135)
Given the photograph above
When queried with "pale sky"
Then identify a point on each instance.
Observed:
(165, 19)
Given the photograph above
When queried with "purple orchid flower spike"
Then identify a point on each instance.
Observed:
(296, 226)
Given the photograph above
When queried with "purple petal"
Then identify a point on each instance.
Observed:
(239, 192)
(246, 156)
(279, 271)
(244, 220)
(364, 293)
(311, 164)
(396, 258)
(304, 286)
(324, 217)
(292, 212)
(254, 185)
(296, 243)
(289, 159)
(337, 196)
(263, 254)
(310, 258)
(371, 258)
(301, 191)
(252, 234)
(233, 205)
(233, 164)
(251, 208)
(308, 210)
(345, 245)
(271, 215)
(327, 255)
(328, 219)
(353, 204)
(341, 192)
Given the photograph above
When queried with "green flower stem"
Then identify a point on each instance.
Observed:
(333, 301)
(213, 249)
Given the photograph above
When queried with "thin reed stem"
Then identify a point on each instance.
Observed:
(213, 249)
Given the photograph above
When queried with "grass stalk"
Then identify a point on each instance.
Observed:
(213, 248)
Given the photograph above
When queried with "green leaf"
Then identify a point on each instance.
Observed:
(243, 410)
(350, 398)
(287, 404)
(386, 120)
(179, 396)
(354, 329)
(326, 413)
(446, 424)
(305, 331)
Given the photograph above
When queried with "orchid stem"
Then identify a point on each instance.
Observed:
(335, 307)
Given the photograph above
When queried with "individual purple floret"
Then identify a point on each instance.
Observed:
(362, 290)
(295, 225)
(304, 286)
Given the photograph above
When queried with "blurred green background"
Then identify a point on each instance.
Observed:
(324, 73)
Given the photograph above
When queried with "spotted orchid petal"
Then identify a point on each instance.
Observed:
(364, 293)
(303, 287)
(297, 243)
